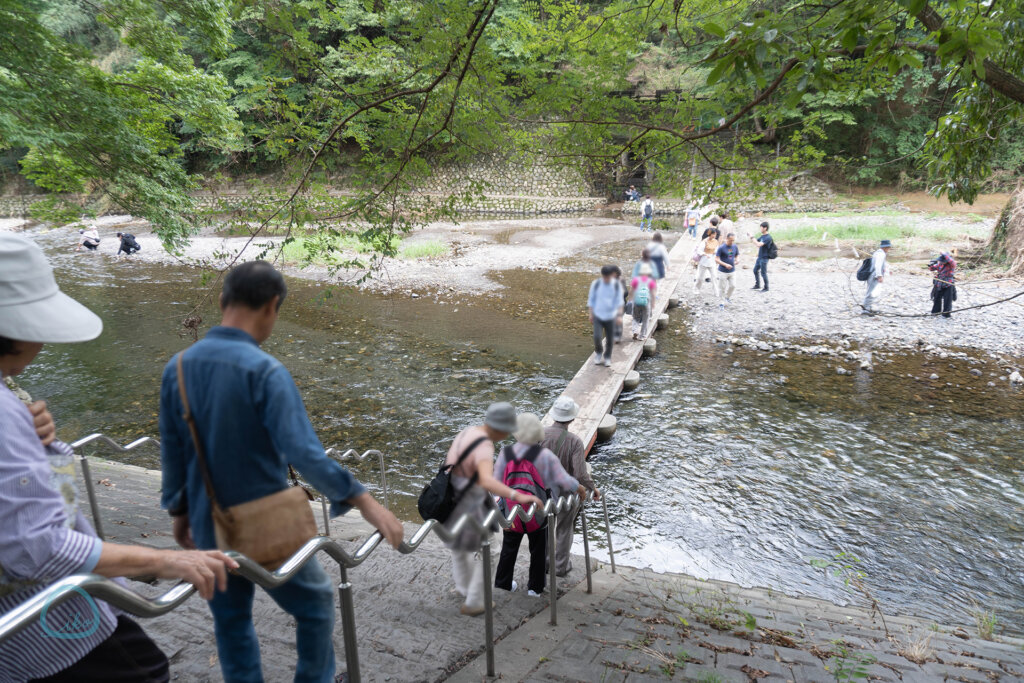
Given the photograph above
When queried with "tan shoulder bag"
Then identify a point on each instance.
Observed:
(267, 530)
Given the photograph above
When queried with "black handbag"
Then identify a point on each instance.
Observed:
(438, 500)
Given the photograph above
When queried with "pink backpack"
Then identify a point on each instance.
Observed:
(523, 475)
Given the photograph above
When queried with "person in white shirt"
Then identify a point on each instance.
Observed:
(647, 214)
(879, 270)
(725, 225)
(659, 255)
(90, 239)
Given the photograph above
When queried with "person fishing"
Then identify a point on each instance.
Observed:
(943, 288)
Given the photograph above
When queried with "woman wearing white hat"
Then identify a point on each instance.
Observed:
(43, 536)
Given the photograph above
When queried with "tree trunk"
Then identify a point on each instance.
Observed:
(1006, 246)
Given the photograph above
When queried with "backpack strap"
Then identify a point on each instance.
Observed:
(465, 454)
(532, 452)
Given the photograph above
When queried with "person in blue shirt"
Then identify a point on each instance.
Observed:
(761, 264)
(725, 257)
(253, 424)
(605, 306)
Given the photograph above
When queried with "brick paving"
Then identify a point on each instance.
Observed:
(636, 626)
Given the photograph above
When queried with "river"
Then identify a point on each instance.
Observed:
(720, 468)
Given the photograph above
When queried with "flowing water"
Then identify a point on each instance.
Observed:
(720, 468)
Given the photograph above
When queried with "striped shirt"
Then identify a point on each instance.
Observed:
(43, 538)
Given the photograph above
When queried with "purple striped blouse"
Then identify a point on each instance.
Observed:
(43, 538)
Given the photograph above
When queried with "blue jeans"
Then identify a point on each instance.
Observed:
(693, 230)
(308, 597)
(649, 220)
(761, 271)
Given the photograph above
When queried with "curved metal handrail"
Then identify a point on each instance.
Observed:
(353, 453)
(113, 444)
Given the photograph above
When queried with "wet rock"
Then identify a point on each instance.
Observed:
(842, 371)
(933, 376)
(976, 372)
(1016, 378)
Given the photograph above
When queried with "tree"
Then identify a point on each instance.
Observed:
(107, 132)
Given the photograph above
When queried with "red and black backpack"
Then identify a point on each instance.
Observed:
(522, 474)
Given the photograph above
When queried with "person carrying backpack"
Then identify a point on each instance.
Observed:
(642, 288)
(647, 214)
(530, 470)
(879, 268)
(765, 253)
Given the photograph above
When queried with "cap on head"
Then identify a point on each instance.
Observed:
(564, 410)
(32, 308)
(885, 244)
(501, 417)
(528, 429)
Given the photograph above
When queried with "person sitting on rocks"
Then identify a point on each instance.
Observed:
(43, 535)
(632, 194)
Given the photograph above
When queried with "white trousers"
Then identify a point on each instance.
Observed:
(468, 573)
(869, 298)
(727, 284)
(705, 269)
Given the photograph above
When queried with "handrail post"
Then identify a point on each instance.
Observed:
(552, 588)
(586, 546)
(327, 517)
(348, 625)
(383, 479)
(608, 531)
(90, 491)
(485, 551)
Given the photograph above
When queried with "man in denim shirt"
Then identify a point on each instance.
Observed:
(253, 424)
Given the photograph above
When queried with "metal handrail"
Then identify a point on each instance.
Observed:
(128, 600)
(90, 487)
(253, 571)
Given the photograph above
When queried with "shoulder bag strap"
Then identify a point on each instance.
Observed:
(196, 441)
(561, 440)
(466, 452)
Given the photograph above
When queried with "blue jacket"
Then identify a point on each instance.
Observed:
(253, 424)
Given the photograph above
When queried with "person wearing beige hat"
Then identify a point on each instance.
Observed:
(527, 467)
(573, 455)
(43, 535)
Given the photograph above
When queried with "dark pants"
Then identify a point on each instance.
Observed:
(659, 267)
(942, 300)
(127, 656)
(510, 543)
(761, 271)
(608, 326)
(90, 245)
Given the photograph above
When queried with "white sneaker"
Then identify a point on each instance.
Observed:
(607, 362)
(533, 594)
(514, 588)
(597, 359)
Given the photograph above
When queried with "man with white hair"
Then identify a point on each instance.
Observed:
(573, 455)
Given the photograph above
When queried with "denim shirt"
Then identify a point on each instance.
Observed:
(253, 424)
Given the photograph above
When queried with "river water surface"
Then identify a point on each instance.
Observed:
(720, 468)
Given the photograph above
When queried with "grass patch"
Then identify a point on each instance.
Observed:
(296, 250)
(862, 232)
(428, 249)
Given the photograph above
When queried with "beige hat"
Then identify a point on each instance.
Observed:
(32, 308)
(564, 410)
(528, 429)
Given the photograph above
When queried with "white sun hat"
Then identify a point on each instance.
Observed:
(564, 410)
(32, 308)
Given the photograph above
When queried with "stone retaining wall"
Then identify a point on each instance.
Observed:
(530, 178)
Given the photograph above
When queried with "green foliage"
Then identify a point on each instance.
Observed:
(91, 130)
(849, 665)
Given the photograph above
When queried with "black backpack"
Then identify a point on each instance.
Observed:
(864, 272)
(437, 501)
(773, 250)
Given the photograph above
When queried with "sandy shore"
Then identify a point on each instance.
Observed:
(813, 295)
